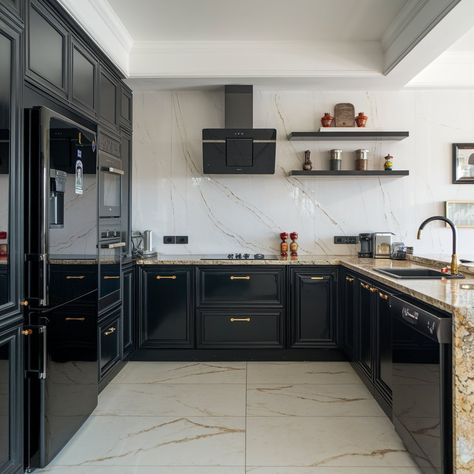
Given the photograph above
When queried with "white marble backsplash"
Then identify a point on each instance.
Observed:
(232, 213)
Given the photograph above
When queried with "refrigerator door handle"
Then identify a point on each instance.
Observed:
(44, 361)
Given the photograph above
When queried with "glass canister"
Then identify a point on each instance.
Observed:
(362, 160)
(335, 160)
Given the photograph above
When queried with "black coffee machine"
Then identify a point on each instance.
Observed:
(366, 245)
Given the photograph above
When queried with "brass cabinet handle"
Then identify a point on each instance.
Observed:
(317, 278)
(165, 277)
(365, 286)
(78, 318)
(112, 277)
(75, 277)
(383, 296)
(372, 289)
(349, 279)
(234, 277)
(110, 331)
(239, 320)
(27, 332)
(24, 303)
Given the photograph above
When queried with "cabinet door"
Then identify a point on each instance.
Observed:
(10, 148)
(109, 342)
(14, 5)
(349, 312)
(166, 308)
(84, 69)
(126, 107)
(109, 93)
(126, 154)
(128, 309)
(11, 396)
(383, 360)
(366, 327)
(313, 311)
(46, 59)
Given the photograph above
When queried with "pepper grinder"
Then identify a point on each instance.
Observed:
(294, 245)
(307, 166)
(284, 244)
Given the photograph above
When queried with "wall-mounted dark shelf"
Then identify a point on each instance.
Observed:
(356, 135)
(386, 174)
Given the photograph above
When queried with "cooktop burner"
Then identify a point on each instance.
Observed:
(241, 256)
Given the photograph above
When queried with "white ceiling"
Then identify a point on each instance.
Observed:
(353, 44)
(257, 20)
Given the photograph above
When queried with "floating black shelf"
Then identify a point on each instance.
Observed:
(356, 135)
(386, 174)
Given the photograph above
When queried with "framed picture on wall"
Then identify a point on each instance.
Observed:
(463, 163)
(461, 213)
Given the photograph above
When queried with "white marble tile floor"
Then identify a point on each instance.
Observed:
(235, 418)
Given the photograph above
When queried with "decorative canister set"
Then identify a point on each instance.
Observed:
(335, 160)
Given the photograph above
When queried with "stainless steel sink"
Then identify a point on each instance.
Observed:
(416, 273)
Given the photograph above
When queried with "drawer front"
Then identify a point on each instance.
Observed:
(71, 281)
(241, 329)
(109, 343)
(241, 285)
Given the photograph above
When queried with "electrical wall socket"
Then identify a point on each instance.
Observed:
(346, 239)
(169, 239)
(181, 239)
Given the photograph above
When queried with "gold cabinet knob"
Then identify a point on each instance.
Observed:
(24, 303)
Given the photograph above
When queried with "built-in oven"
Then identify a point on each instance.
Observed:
(110, 262)
(421, 383)
(110, 177)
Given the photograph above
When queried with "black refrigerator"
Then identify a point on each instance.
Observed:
(61, 368)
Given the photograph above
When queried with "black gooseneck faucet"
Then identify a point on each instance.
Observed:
(454, 257)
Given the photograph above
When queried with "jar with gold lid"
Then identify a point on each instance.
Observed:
(362, 160)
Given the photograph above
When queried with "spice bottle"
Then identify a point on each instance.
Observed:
(335, 160)
(362, 160)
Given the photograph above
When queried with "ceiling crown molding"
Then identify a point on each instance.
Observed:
(104, 26)
(414, 21)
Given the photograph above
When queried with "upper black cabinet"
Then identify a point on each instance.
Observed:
(46, 50)
(313, 309)
(84, 74)
(10, 148)
(109, 94)
(126, 107)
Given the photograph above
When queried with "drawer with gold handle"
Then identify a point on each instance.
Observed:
(372, 289)
(112, 277)
(366, 286)
(166, 277)
(238, 277)
(320, 278)
(349, 279)
(74, 318)
(110, 331)
(383, 296)
(75, 277)
(240, 320)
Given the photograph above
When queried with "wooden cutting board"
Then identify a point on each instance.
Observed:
(344, 115)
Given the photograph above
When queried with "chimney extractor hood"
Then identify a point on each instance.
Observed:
(238, 148)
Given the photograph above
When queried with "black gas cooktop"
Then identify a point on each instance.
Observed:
(241, 256)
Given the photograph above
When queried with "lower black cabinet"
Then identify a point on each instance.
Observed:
(166, 315)
(383, 347)
(348, 312)
(313, 313)
(109, 342)
(365, 332)
(128, 309)
(11, 396)
(240, 329)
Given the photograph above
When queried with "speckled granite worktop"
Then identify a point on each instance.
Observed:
(448, 295)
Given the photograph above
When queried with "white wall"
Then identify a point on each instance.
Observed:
(246, 213)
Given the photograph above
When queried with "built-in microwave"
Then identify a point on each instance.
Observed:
(110, 177)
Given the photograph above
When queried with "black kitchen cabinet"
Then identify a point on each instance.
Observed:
(348, 314)
(128, 309)
(13, 5)
(110, 336)
(241, 285)
(84, 75)
(11, 398)
(166, 316)
(126, 107)
(11, 260)
(126, 156)
(109, 94)
(313, 311)
(383, 345)
(365, 333)
(47, 50)
(236, 329)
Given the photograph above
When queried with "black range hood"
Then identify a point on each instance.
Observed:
(238, 148)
